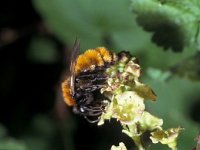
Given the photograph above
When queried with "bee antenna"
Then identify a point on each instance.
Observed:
(74, 55)
(76, 47)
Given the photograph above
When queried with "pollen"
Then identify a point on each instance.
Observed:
(67, 93)
(107, 57)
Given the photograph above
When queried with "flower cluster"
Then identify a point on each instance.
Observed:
(127, 94)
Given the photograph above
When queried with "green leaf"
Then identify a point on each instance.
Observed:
(3, 131)
(174, 23)
(93, 22)
(11, 144)
(188, 68)
(158, 74)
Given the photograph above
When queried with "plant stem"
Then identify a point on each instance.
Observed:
(138, 142)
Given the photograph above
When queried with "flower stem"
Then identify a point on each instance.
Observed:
(138, 142)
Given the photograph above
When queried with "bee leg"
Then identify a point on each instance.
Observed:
(90, 120)
(92, 110)
(87, 111)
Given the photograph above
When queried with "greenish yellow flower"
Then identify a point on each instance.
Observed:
(168, 137)
(126, 107)
(120, 147)
(149, 122)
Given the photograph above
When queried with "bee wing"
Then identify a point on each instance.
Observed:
(74, 55)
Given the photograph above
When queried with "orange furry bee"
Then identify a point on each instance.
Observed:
(81, 89)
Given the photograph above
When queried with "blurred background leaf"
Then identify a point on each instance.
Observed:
(42, 50)
(174, 24)
(12, 144)
(9, 143)
(94, 22)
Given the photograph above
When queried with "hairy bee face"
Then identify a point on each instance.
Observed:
(81, 89)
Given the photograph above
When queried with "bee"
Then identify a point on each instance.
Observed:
(81, 89)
